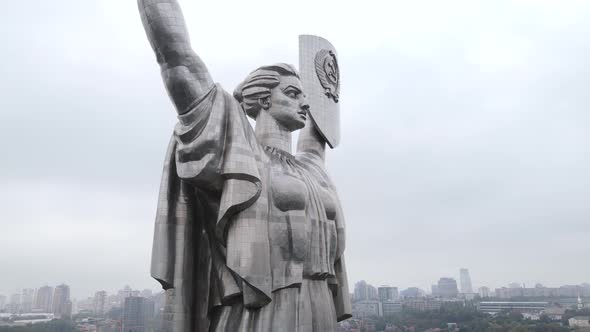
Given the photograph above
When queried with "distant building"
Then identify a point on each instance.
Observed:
(147, 293)
(516, 291)
(387, 293)
(365, 309)
(123, 294)
(62, 305)
(412, 292)
(571, 291)
(2, 303)
(447, 288)
(364, 292)
(83, 305)
(149, 309)
(514, 285)
(26, 304)
(360, 291)
(434, 289)
(134, 315)
(112, 302)
(522, 307)
(44, 299)
(484, 292)
(512, 292)
(388, 308)
(99, 303)
(579, 321)
(465, 279)
(372, 293)
(14, 304)
(423, 304)
(554, 312)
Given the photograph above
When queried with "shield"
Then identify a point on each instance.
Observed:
(320, 76)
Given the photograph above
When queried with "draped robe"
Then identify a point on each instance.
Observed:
(227, 235)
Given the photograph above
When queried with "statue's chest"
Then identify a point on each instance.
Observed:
(292, 187)
(302, 220)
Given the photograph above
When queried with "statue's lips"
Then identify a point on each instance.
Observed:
(303, 114)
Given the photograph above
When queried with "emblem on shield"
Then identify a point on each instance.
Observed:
(326, 67)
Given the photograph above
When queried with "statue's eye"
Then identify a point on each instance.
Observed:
(291, 92)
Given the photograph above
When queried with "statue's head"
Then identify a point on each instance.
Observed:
(275, 89)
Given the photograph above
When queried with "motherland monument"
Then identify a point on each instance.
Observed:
(248, 236)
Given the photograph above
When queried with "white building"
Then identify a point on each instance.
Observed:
(465, 279)
(387, 293)
(554, 312)
(388, 308)
(364, 309)
(484, 291)
(579, 321)
(522, 307)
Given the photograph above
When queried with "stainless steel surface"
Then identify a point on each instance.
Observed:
(320, 75)
(248, 237)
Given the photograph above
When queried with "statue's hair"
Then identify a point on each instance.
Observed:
(258, 84)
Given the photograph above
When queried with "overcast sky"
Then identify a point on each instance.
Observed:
(465, 135)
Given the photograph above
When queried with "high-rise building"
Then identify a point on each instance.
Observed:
(434, 289)
(44, 299)
(134, 314)
(360, 291)
(387, 293)
(372, 293)
(447, 288)
(26, 301)
(484, 291)
(99, 302)
(364, 292)
(14, 304)
(466, 287)
(62, 305)
(123, 294)
(149, 309)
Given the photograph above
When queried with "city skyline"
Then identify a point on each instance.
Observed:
(141, 310)
(376, 286)
(464, 136)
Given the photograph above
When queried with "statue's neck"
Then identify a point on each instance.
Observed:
(270, 133)
(310, 140)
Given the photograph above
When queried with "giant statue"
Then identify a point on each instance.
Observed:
(248, 235)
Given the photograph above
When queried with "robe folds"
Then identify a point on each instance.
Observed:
(231, 232)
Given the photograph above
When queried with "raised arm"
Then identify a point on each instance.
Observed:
(186, 77)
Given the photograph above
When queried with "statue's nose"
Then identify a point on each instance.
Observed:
(304, 104)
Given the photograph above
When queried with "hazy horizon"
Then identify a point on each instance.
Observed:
(465, 131)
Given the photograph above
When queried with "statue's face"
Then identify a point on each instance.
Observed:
(288, 103)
